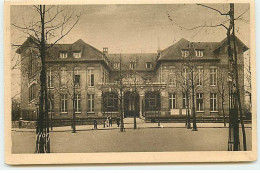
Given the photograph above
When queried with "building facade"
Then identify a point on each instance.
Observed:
(147, 84)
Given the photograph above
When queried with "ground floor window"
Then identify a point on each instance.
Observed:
(213, 102)
(64, 103)
(110, 102)
(199, 102)
(51, 102)
(90, 102)
(152, 101)
(185, 100)
(172, 100)
(32, 92)
(77, 103)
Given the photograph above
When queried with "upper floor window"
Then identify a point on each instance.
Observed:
(199, 76)
(32, 65)
(148, 65)
(76, 77)
(132, 65)
(51, 102)
(76, 54)
(32, 92)
(90, 72)
(185, 53)
(213, 76)
(50, 79)
(63, 55)
(116, 65)
(63, 76)
(199, 53)
(172, 77)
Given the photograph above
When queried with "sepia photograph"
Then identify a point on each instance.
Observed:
(129, 82)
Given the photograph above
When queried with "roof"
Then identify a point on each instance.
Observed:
(140, 60)
(209, 49)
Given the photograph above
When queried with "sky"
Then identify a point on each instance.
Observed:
(140, 28)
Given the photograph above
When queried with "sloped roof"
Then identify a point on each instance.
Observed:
(140, 60)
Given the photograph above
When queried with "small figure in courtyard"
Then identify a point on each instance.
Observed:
(95, 124)
(118, 121)
(107, 122)
(110, 121)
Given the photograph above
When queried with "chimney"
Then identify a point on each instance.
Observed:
(105, 50)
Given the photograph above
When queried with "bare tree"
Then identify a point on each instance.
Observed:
(52, 24)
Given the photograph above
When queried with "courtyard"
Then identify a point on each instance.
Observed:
(148, 137)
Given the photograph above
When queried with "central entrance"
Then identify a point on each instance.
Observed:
(131, 104)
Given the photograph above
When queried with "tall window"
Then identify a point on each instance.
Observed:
(63, 76)
(213, 102)
(91, 77)
(76, 77)
(213, 76)
(172, 77)
(64, 103)
(77, 104)
(32, 92)
(185, 53)
(32, 65)
(185, 101)
(51, 102)
(199, 102)
(152, 100)
(172, 101)
(185, 75)
(110, 102)
(76, 54)
(50, 79)
(90, 102)
(63, 55)
(199, 76)
(199, 53)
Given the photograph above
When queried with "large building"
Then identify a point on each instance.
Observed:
(152, 83)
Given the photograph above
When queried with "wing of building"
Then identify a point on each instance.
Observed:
(153, 84)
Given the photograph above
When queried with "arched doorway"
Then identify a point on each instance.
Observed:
(131, 104)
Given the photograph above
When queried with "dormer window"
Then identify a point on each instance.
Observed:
(116, 65)
(76, 54)
(132, 65)
(63, 55)
(185, 53)
(199, 53)
(148, 65)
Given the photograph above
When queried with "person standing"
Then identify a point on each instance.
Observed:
(107, 122)
(118, 121)
(95, 124)
(110, 121)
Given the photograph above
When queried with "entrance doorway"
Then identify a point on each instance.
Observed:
(131, 104)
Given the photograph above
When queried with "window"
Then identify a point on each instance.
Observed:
(110, 102)
(76, 76)
(132, 65)
(148, 65)
(213, 76)
(199, 105)
(63, 75)
(63, 55)
(91, 77)
(199, 53)
(76, 54)
(32, 92)
(50, 79)
(172, 77)
(90, 102)
(152, 101)
(64, 103)
(213, 102)
(32, 65)
(172, 101)
(199, 76)
(51, 102)
(185, 76)
(77, 105)
(185, 100)
(116, 65)
(185, 53)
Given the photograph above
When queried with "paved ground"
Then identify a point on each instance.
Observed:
(147, 138)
